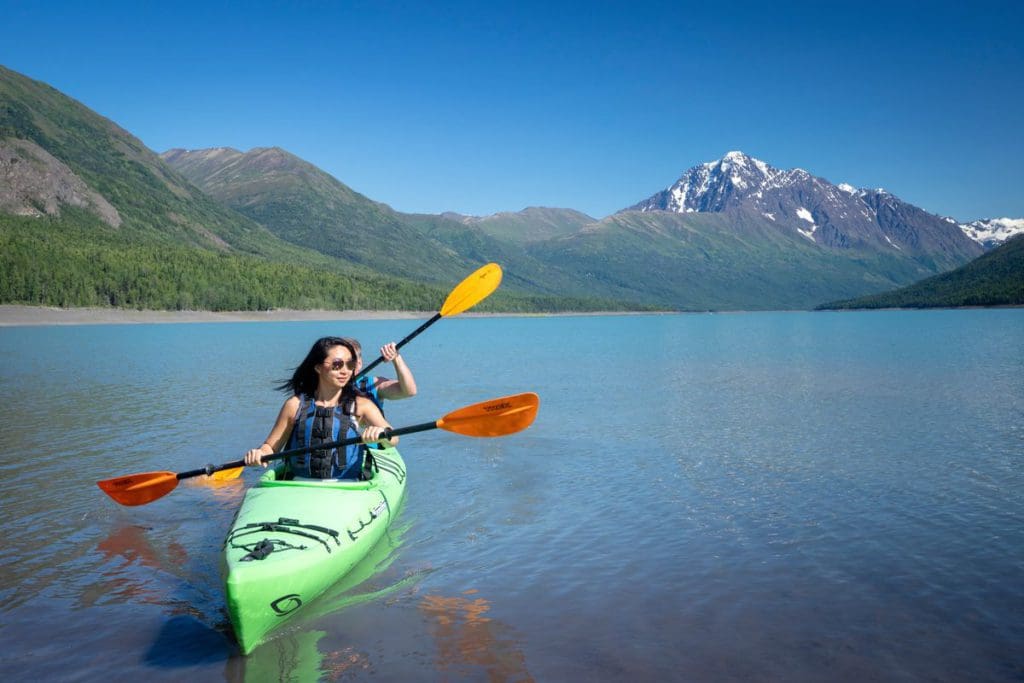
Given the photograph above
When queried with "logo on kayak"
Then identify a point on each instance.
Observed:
(286, 604)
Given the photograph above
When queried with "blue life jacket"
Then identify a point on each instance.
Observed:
(314, 426)
(367, 386)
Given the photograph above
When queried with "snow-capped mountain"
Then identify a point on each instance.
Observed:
(836, 216)
(991, 232)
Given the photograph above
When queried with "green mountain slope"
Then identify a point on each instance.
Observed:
(533, 224)
(152, 202)
(716, 261)
(305, 206)
(308, 207)
(993, 279)
(90, 216)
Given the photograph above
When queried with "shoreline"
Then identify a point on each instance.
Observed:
(26, 316)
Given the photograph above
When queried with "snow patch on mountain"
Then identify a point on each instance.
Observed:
(806, 215)
(991, 232)
(893, 243)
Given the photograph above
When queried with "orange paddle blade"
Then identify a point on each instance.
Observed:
(497, 417)
(139, 489)
(474, 289)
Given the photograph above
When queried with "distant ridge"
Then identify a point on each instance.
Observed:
(993, 279)
(532, 224)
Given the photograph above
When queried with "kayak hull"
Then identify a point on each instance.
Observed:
(291, 540)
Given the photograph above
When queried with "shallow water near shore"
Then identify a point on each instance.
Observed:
(736, 497)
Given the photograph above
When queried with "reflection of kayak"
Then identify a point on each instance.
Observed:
(291, 540)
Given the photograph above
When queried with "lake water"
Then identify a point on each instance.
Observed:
(740, 497)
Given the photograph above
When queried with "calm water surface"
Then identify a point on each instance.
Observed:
(749, 497)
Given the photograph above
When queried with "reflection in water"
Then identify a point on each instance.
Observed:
(467, 637)
(125, 550)
(293, 657)
(130, 543)
(227, 492)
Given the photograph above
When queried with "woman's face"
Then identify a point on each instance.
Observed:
(338, 367)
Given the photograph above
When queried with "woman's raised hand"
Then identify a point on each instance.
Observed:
(389, 352)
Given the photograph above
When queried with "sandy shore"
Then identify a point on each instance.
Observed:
(44, 315)
(12, 316)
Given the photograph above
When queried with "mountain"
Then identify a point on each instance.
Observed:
(834, 216)
(58, 154)
(737, 233)
(90, 216)
(993, 279)
(730, 234)
(991, 232)
(304, 205)
(718, 261)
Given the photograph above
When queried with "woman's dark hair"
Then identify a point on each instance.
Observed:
(304, 380)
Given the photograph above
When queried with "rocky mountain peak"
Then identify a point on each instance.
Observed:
(804, 205)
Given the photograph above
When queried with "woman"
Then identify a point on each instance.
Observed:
(324, 407)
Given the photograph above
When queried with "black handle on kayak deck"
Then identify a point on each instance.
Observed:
(386, 434)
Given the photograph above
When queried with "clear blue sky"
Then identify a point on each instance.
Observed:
(480, 107)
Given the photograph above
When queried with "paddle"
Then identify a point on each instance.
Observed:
(497, 417)
(468, 293)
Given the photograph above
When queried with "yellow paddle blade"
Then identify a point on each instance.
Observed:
(474, 289)
(139, 489)
(225, 475)
(497, 417)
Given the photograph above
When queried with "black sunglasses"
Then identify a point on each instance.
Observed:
(338, 364)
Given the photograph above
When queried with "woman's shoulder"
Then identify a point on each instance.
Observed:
(364, 403)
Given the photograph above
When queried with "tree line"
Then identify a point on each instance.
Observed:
(69, 267)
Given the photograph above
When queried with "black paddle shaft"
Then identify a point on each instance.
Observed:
(211, 468)
(409, 338)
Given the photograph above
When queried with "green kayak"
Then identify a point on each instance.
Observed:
(292, 539)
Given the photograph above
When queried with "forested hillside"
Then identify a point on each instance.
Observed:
(90, 216)
(993, 279)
